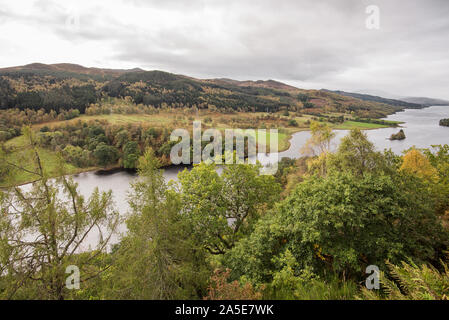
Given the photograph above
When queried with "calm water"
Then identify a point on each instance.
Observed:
(420, 126)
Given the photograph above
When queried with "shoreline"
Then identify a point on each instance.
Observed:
(115, 168)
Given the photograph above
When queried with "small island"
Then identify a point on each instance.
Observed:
(444, 122)
(398, 136)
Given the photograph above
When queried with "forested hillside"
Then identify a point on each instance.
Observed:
(392, 102)
(66, 86)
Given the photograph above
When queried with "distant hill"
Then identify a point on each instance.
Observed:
(426, 101)
(273, 84)
(71, 86)
(66, 68)
(392, 102)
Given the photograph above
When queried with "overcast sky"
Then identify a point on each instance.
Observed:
(309, 44)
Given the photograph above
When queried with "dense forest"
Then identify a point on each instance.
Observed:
(64, 87)
(309, 232)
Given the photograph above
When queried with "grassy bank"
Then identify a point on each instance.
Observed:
(19, 154)
(348, 125)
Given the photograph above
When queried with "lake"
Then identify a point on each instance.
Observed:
(421, 127)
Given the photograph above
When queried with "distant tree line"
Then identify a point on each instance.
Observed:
(99, 143)
(12, 120)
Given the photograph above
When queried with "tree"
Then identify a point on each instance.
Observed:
(94, 142)
(46, 229)
(121, 138)
(105, 154)
(358, 155)
(289, 283)
(221, 289)
(303, 97)
(340, 224)
(130, 155)
(222, 208)
(320, 140)
(308, 105)
(157, 258)
(416, 163)
(439, 159)
(292, 123)
(76, 155)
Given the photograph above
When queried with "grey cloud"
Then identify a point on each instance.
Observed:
(179, 5)
(321, 42)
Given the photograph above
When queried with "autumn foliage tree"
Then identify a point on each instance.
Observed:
(221, 288)
(416, 163)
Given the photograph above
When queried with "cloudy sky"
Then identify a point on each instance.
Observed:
(309, 44)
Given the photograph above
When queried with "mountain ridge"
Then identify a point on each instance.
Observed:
(369, 97)
(64, 86)
(411, 102)
(68, 67)
(426, 101)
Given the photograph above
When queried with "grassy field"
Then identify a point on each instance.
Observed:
(348, 125)
(157, 119)
(20, 155)
(282, 137)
